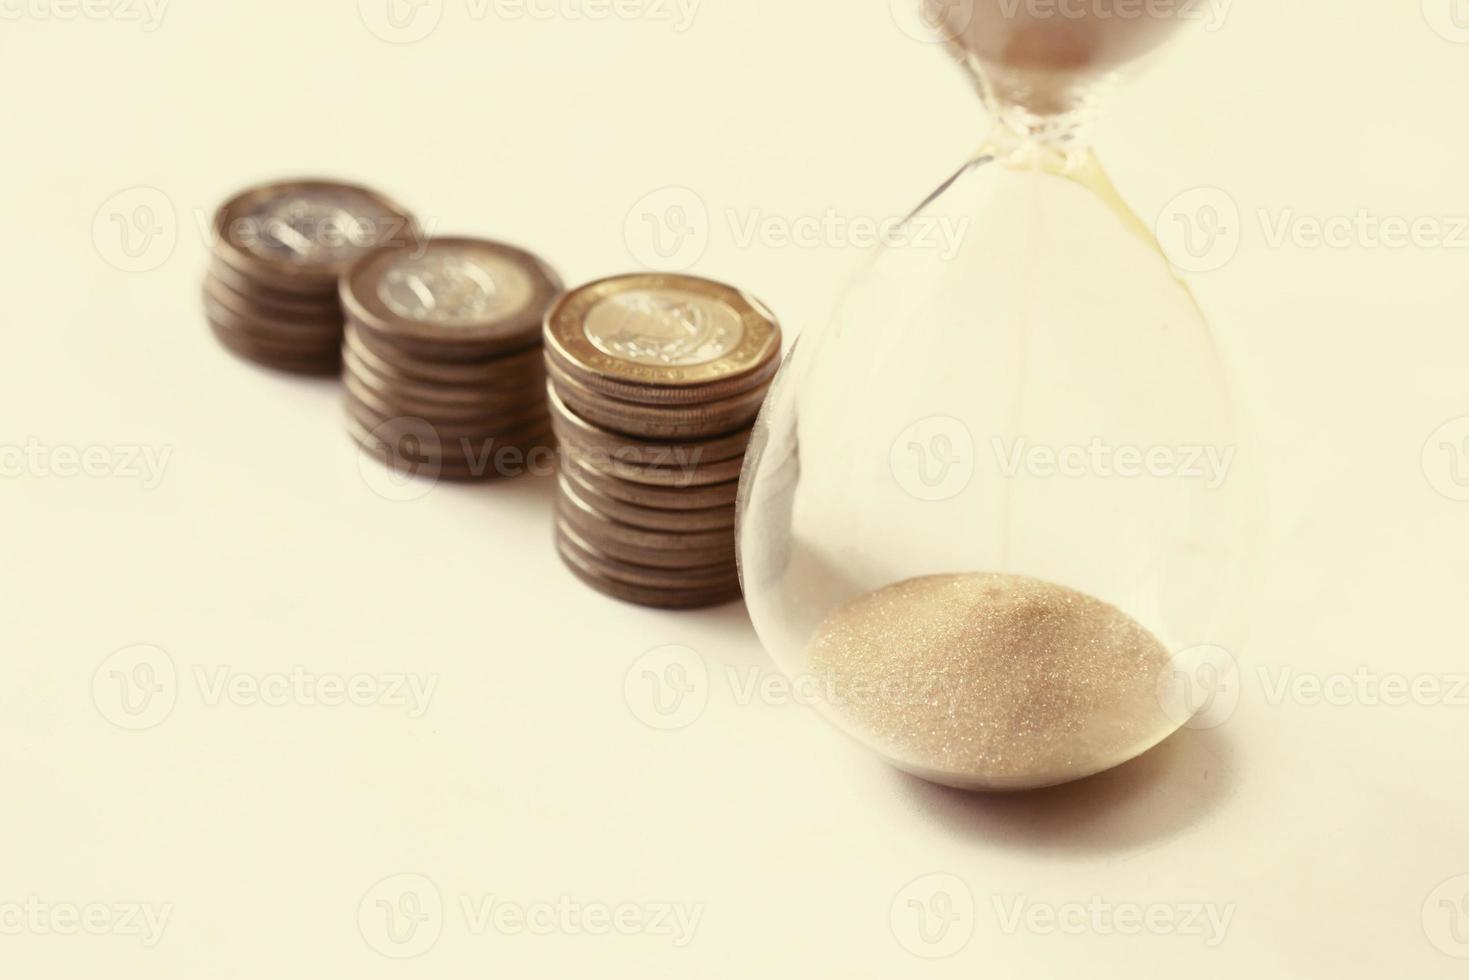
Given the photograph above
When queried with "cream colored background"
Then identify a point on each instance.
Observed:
(1333, 832)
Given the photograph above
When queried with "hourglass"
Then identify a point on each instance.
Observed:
(991, 512)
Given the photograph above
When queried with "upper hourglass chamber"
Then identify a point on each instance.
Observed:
(991, 504)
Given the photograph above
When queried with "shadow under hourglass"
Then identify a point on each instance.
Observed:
(1154, 797)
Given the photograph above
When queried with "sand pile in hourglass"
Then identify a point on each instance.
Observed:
(995, 674)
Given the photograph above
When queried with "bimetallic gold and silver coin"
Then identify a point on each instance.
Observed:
(301, 235)
(454, 299)
(654, 383)
(445, 340)
(659, 338)
(271, 291)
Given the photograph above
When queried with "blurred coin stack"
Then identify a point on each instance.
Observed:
(271, 292)
(655, 382)
(443, 364)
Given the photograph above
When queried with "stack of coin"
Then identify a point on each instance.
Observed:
(655, 382)
(443, 361)
(271, 292)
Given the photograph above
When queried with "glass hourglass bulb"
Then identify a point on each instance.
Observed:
(992, 506)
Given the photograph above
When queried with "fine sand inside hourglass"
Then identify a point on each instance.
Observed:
(1036, 55)
(994, 681)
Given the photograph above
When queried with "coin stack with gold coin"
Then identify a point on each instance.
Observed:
(271, 292)
(655, 381)
(442, 357)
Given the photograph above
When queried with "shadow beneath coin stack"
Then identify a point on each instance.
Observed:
(1154, 797)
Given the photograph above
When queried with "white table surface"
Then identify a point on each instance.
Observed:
(1328, 835)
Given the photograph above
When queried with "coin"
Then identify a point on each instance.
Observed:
(716, 576)
(648, 395)
(679, 475)
(285, 306)
(301, 235)
(589, 520)
(641, 595)
(605, 536)
(642, 495)
(653, 518)
(286, 341)
(251, 307)
(505, 454)
(301, 336)
(512, 372)
(445, 402)
(453, 299)
(670, 423)
(274, 357)
(661, 338)
(408, 463)
(590, 439)
(475, 429)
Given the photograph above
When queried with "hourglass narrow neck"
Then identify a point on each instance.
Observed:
(1060, 121)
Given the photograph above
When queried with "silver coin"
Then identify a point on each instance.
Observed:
(641, 422)
(675, 579)
(661, 549)
(653, 518)
(584, 435)
(643, 495)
